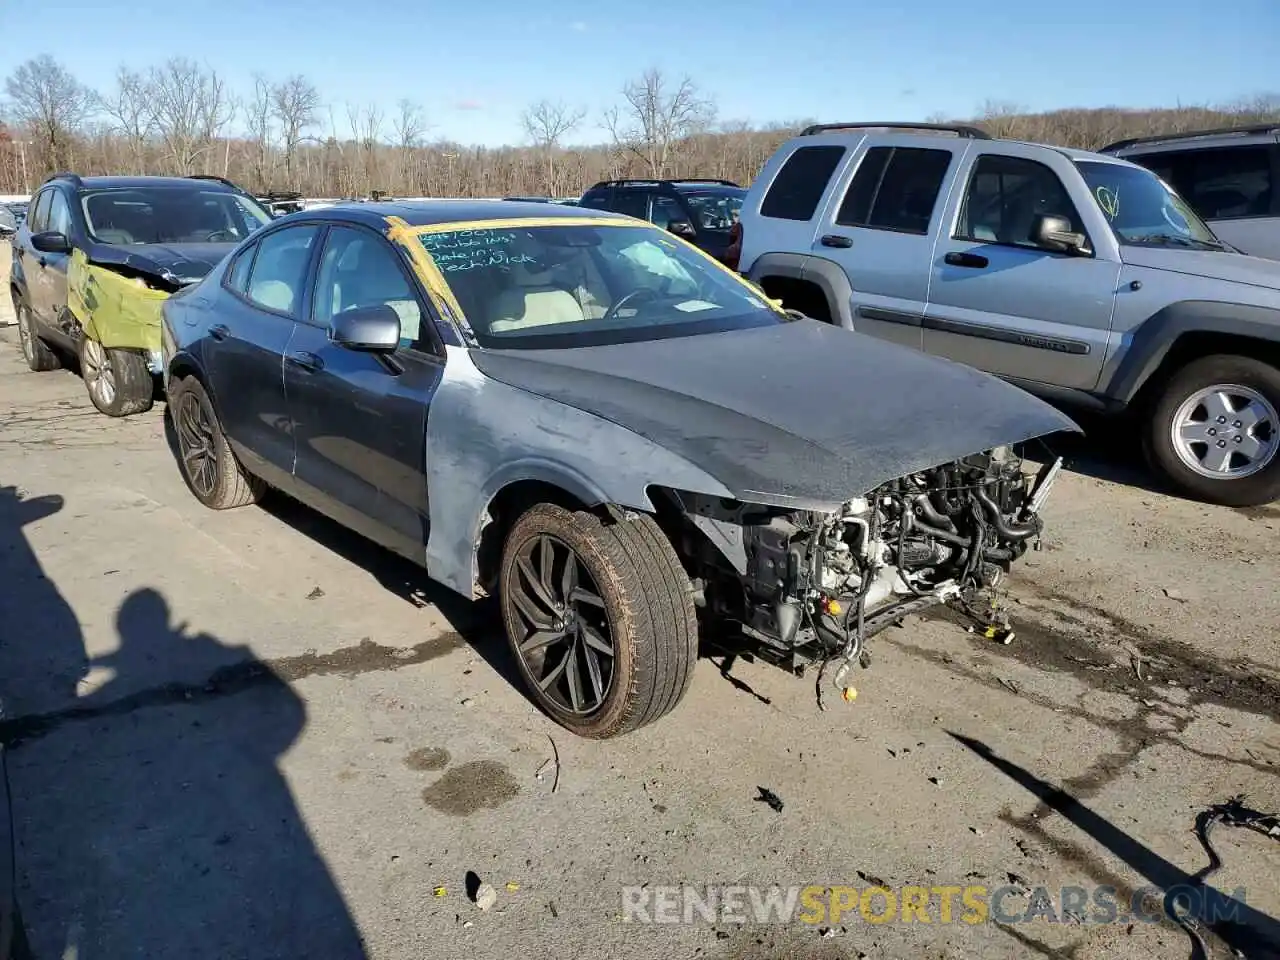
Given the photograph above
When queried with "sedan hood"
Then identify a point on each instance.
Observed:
(1217, 265)
(801, 414)
(178, 264)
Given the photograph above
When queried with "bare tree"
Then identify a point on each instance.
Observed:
(48, 100)
(547, 123)
(190, 107)
(129, 108)
(258, 116)
(410, 127)
(366, 131)
(295, 104)
(655, 118)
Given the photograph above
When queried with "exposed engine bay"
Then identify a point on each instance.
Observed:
(811, 587)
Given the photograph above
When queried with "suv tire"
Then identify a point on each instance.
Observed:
(209, 467)
(621, 627)
(1193, 425)
(38, 354)
(119, 381)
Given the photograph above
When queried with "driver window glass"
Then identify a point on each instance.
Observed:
(1005, 196)
(59, 214)
(39, 213)
(631, 203)
(359, 269)
(665, 210)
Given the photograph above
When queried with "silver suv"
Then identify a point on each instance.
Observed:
(1078, 276)
(1228, 176)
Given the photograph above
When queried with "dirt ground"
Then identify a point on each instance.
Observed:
(251, 734)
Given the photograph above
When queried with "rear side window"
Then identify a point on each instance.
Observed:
(1223, 184)
(631, 203)
(895, 188)
(800, 184)
(279, 272)
(597, 200)
(238, 277)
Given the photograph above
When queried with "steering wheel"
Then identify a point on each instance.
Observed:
(643, 293)
(219, 236)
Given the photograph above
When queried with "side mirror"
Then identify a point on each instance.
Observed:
(374, 329)
(1054, 233)
(51, 241)
(682, 228)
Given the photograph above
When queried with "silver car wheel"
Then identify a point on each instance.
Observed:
(98, 374)
(1226, 431)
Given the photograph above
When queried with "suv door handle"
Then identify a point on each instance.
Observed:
(835, 240)
(976, 261)
(219, 331)
(305, 361)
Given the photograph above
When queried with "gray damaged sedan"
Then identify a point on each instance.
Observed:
(595, 421)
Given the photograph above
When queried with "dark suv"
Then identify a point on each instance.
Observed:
(95, 258)
(701, 211)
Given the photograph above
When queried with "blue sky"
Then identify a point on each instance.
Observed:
(475, 64)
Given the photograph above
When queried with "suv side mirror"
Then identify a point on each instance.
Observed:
(1054, 233)
(51, 241)
(682, 228)
(374, 329)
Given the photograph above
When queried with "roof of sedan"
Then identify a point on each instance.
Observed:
(424, 213)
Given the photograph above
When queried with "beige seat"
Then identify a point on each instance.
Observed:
(531, 301)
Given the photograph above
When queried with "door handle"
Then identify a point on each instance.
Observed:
(835, 240)
(305, 361)
(974, 260)
(219, 331)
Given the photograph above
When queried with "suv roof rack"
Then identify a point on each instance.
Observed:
(1192, 134)
(959, 129)
(74, 178)
(631, 181)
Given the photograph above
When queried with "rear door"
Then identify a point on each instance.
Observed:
(1233, 188)
(999, 302)
(247, 344)
(881, 232)
(359, 419)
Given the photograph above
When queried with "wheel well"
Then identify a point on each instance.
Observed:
(182, 369)
(503, 510)
(1202, 343)
(803, 295)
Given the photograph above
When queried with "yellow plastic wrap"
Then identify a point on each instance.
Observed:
(114, 310)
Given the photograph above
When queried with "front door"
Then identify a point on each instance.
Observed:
(55, 266)
(247, 345)
(1000, 302)
(359, 419)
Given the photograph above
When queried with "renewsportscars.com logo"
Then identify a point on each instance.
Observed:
(968, 904)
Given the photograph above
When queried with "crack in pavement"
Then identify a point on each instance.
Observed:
(364, 657)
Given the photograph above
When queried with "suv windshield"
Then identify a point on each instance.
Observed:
(1142, 209)
(129, 215)
(583, 285)
(715, 209)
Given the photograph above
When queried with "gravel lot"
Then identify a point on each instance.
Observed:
(251, 734)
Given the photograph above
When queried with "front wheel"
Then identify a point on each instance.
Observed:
(119, 381)
(600, 618)
(1214, 431)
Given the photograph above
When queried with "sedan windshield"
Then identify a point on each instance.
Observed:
(1142, 210)
(589, 284)
(131, 215)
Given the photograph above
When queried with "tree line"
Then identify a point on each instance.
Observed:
(182, 117)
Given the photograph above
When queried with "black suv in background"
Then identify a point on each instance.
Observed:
(701, 211)
(95, 258)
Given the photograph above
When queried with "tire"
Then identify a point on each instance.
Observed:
(211, 471)
(119, 381)
(1235, 460)
(643, 610)
(38, 354)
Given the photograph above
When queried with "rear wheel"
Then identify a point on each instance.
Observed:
(119, 381)
(208, 466)
(38, 354)
(600, 618)
(1215, 431)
